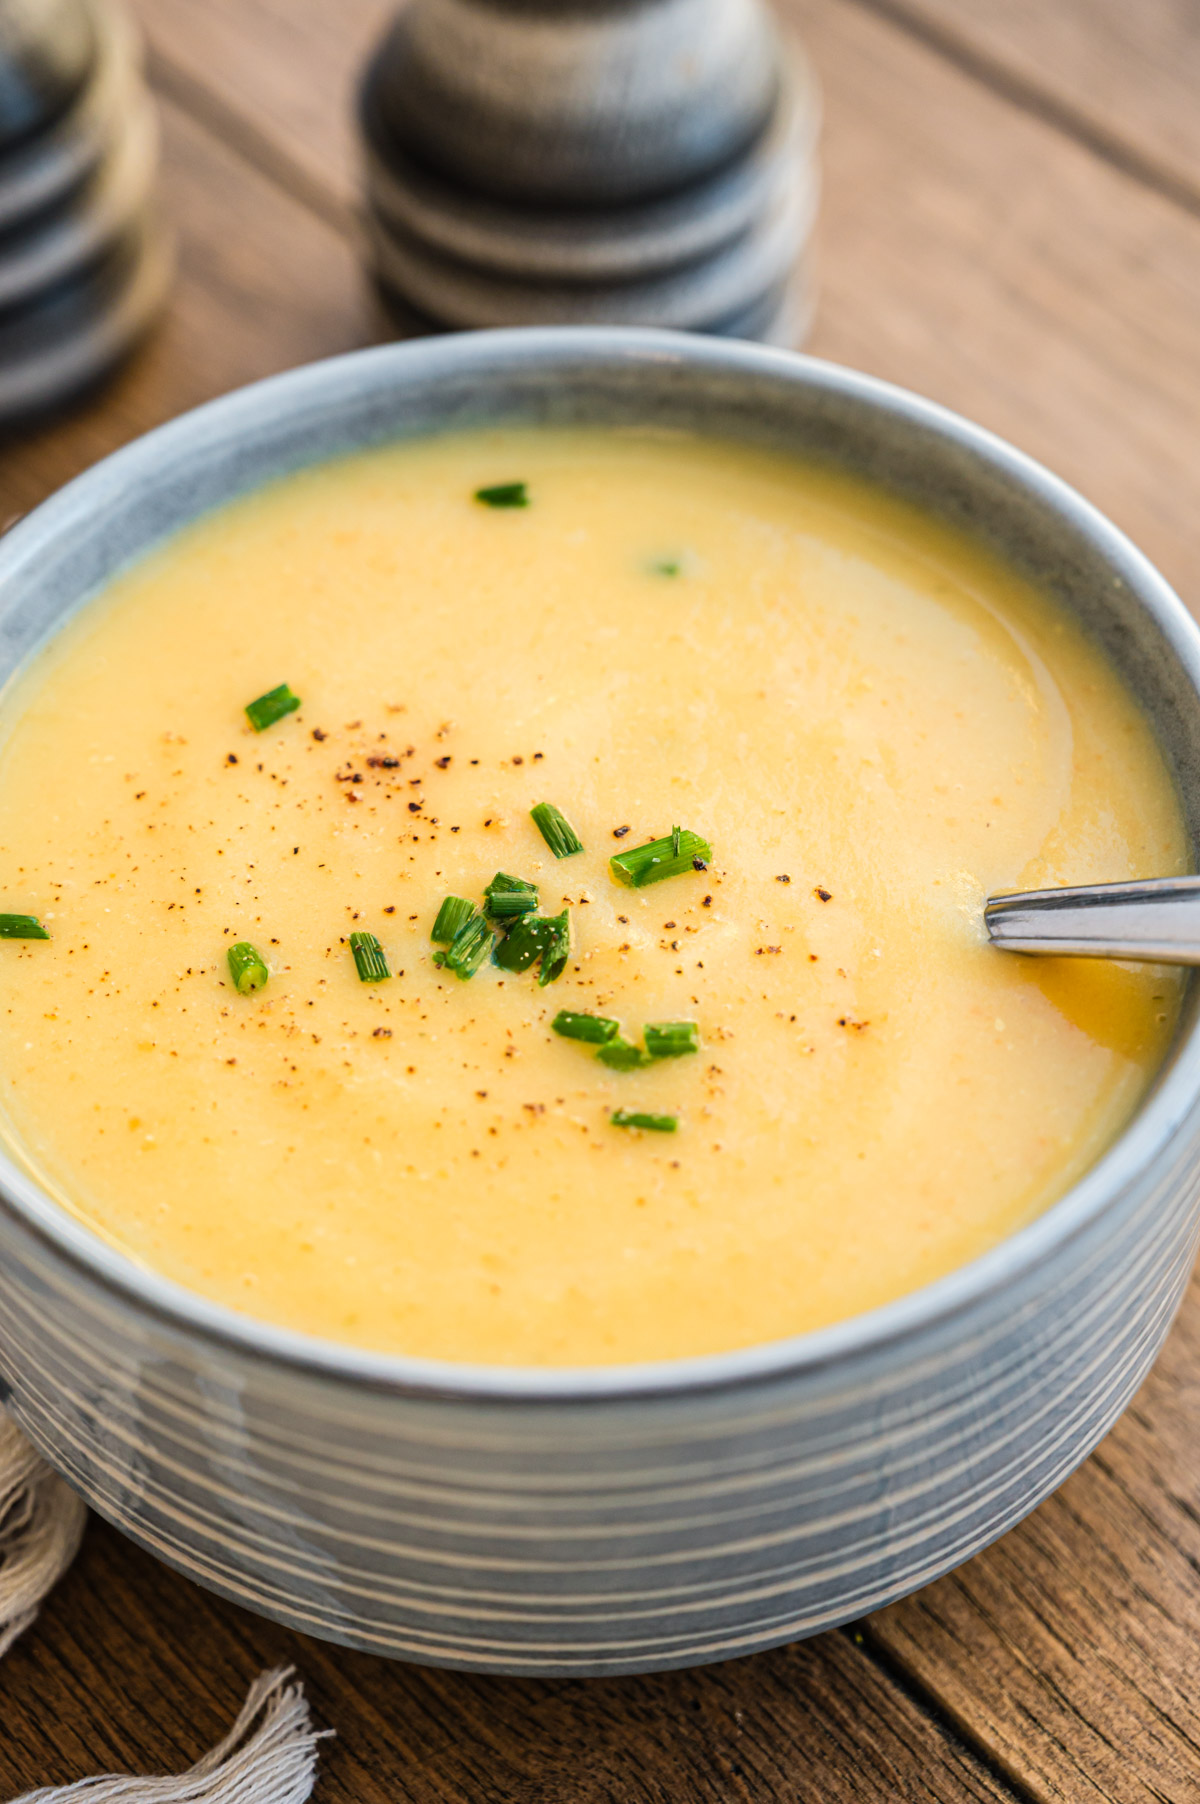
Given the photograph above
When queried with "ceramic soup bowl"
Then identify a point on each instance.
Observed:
(626, 1518)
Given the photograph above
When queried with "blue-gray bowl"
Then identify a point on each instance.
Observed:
(616, 1519)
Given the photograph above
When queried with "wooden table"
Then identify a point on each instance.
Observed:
(1012, 225)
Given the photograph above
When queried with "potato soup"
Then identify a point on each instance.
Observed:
(590, 967)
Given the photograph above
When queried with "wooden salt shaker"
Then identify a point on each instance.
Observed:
(648, 162)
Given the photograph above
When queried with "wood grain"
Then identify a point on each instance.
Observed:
(288, 71)
(972, 252)
(134, 1667)
(1121, 77)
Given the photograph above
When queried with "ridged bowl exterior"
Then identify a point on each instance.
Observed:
(624, 1519)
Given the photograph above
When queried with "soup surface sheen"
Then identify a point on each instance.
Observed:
(873, 722)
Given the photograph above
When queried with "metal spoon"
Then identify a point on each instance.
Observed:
(1156, 920)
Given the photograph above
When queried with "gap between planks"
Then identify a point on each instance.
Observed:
(247, 139)
(1051, 108)
(949, 1727)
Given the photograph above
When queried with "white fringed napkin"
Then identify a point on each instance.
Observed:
(269, 1755)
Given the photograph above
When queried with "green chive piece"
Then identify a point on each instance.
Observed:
(508, 898)
(621, 1055)
(22, 927)
(672, 1039)
(520, 948)
(594, 1029)
(666, 566)
(247, 968)
(556, 830)
(654, 1124)
(469, 947)
(454, 913)
(369, 958)
(504, 494)
(680, 851)
(537, 936)
(556, 948)
(271, 707)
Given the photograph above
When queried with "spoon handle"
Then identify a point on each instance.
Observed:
(1157, 920)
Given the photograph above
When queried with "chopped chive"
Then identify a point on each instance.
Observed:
(508, 898)
(22, 927)
(594, 1029)
(369, 957)
(621, 1055)
(504, 494)
(454, 913)
(247, 968)
(537, 936)
(655, 1124)
(520, 948)
(556, 830)
(669, 857)
(671, 1039)
(271, 707)
(666, 566)
(556, 948)
(469, 947)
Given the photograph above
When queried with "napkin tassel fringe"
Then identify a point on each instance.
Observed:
(268, 1757)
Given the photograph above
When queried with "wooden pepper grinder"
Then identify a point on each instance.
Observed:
(83, 265)
(627, 162)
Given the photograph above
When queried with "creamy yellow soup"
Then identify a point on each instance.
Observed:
(872, 721)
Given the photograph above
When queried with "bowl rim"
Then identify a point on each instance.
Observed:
(1168, 1102)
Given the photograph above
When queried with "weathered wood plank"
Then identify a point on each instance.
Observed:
(134, 1667)
(972, 252)
(1071, 1649)
(288, 70)
(1124, 76)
